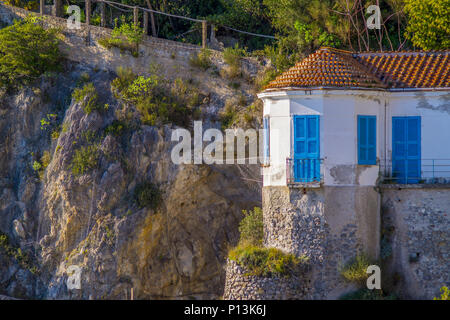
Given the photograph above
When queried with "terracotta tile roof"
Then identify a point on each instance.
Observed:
(329, 67)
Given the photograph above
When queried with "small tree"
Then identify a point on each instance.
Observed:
(125, 36)
(251, 227)
(27, 50)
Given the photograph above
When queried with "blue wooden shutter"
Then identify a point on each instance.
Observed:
(413, 149)
(367, 140)
(306, 148)
(399, 149)
(406, 153)
(266, 137)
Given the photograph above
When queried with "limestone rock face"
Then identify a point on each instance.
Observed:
(93, 222)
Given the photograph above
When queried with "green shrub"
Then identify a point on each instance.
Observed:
(228, 114)
(27, 51)
(445, 294)
(31, 5)
(126, 37)
(201, 59)
(120, 84)
(356, 269)
(85, 159)
(264, 77)
(88, 97)
(84, 77)
(147, 195)
(158, 101)
(40, 165)
(116, 128)
(367, 294)
(48, 121)
(266, 262)
(236, 114)
(251, 227)
(21, 257)
(232, 57)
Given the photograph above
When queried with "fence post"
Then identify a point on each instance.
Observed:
(145, 22)
(58, 7)
(152, 18)
(212, 36)
(204, 33)
(136, 16)
(88, 12)
(102, 14)
(41, 7)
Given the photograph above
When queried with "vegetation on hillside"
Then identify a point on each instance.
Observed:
(147, 195)
(445, 294)
(27, 51)
(15, 252)
(125, 36)
(157, 100)
(355, 269)
(300, 27)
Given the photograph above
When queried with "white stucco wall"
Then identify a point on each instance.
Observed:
(338, 110)
(434, 110)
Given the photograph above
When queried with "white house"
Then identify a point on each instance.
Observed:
(353, 138)
(343, 118)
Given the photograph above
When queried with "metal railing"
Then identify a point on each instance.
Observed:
(303, 170)
(431, 171)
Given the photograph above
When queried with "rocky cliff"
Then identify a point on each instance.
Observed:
(51, 219)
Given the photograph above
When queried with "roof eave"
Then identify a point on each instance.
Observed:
(284, 91)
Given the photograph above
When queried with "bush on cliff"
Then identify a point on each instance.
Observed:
(258, 260)
(356, 269)
(251, 227)
(201, 59)
(125, 36)
(266, 262)
(147, 195)
(27, 51)
(157, 100)
(88, 97)
(85, 159)
(445, 294)
(21, 257)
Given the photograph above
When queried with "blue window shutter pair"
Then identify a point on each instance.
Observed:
(306, 148)
(367, 140)
(266, 140)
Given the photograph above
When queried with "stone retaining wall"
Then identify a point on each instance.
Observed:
(239, 286)
(330, 225)
(416, 244)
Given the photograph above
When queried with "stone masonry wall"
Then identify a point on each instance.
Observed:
(416, 230)
(330, 225)
(239, 286)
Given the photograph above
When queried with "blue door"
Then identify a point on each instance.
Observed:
(306, 149)
(406, 149)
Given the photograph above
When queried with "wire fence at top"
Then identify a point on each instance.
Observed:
(141, 18)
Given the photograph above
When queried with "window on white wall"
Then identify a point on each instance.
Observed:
(266, 140)
(367, 141)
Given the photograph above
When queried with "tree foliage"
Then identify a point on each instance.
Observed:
(251, 227)
(27, 50)
(428, 23)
